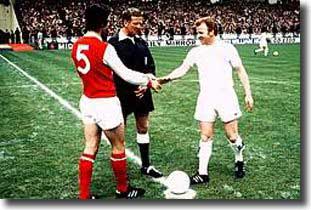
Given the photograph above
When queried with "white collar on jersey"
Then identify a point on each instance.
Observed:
(93, 34)
(123, 36)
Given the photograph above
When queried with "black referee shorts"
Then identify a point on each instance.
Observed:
(130, 103)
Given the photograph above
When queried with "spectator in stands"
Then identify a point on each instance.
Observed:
(274, 30)
(146, 32)
(12, 37)
(220, 30)
(194, 32)
(183, 31)
(171, 32)
(7, 36)
(2, 34)
(238, 31)
(250, 31)
(160, 30)
(17, 36)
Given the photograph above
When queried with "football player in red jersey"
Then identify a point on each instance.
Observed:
(96, 61)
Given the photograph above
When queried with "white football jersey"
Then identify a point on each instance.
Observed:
(40, 35)
(215, 63)
(263, 39)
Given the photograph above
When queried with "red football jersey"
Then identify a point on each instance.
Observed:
(87, 54)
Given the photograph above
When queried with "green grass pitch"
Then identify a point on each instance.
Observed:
(40, 141)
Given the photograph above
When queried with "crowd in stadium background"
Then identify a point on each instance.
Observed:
(171, 17)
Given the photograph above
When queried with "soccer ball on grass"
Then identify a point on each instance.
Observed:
(275, 53)
(178, 183)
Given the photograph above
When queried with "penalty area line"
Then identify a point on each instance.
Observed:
(134, 158)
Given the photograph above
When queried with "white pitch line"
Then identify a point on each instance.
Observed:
(73, 110)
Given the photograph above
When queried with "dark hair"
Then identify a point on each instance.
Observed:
(210, 23)
(131, 12)
(96, 17)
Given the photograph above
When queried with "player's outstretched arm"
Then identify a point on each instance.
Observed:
(175, 74)
(164, 80)
(182, 69)
(249, 102)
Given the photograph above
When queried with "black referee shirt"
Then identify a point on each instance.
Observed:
(134, 56)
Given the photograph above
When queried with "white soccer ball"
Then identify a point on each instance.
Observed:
(275, 53)
(178, 182)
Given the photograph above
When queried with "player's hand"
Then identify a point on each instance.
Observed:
(249, 103)
(155, 85)
(151, 76)
(164, 80)
(140, 92)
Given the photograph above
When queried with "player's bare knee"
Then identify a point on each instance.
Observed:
(118, 146)
(117, 149)
(91, 149)
(142, 129)
(142, 126)
(92, 140)
(231, 133)
(206, 137)
(232, 137)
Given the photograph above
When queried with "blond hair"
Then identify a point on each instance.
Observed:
(210, 23)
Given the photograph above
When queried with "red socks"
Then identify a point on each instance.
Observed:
(85, 175)
(118, 164)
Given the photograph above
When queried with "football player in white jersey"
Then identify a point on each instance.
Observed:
(263, 43)
(215, 61)
(40, 39)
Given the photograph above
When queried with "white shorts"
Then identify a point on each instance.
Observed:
(263, 45)
(105, 112)
(225, 105)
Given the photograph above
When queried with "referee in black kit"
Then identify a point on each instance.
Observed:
(134, 53)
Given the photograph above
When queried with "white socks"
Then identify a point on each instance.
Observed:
(142, 138)
(204, 155)
(266, 51)
(258, 50)
(238, 148)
